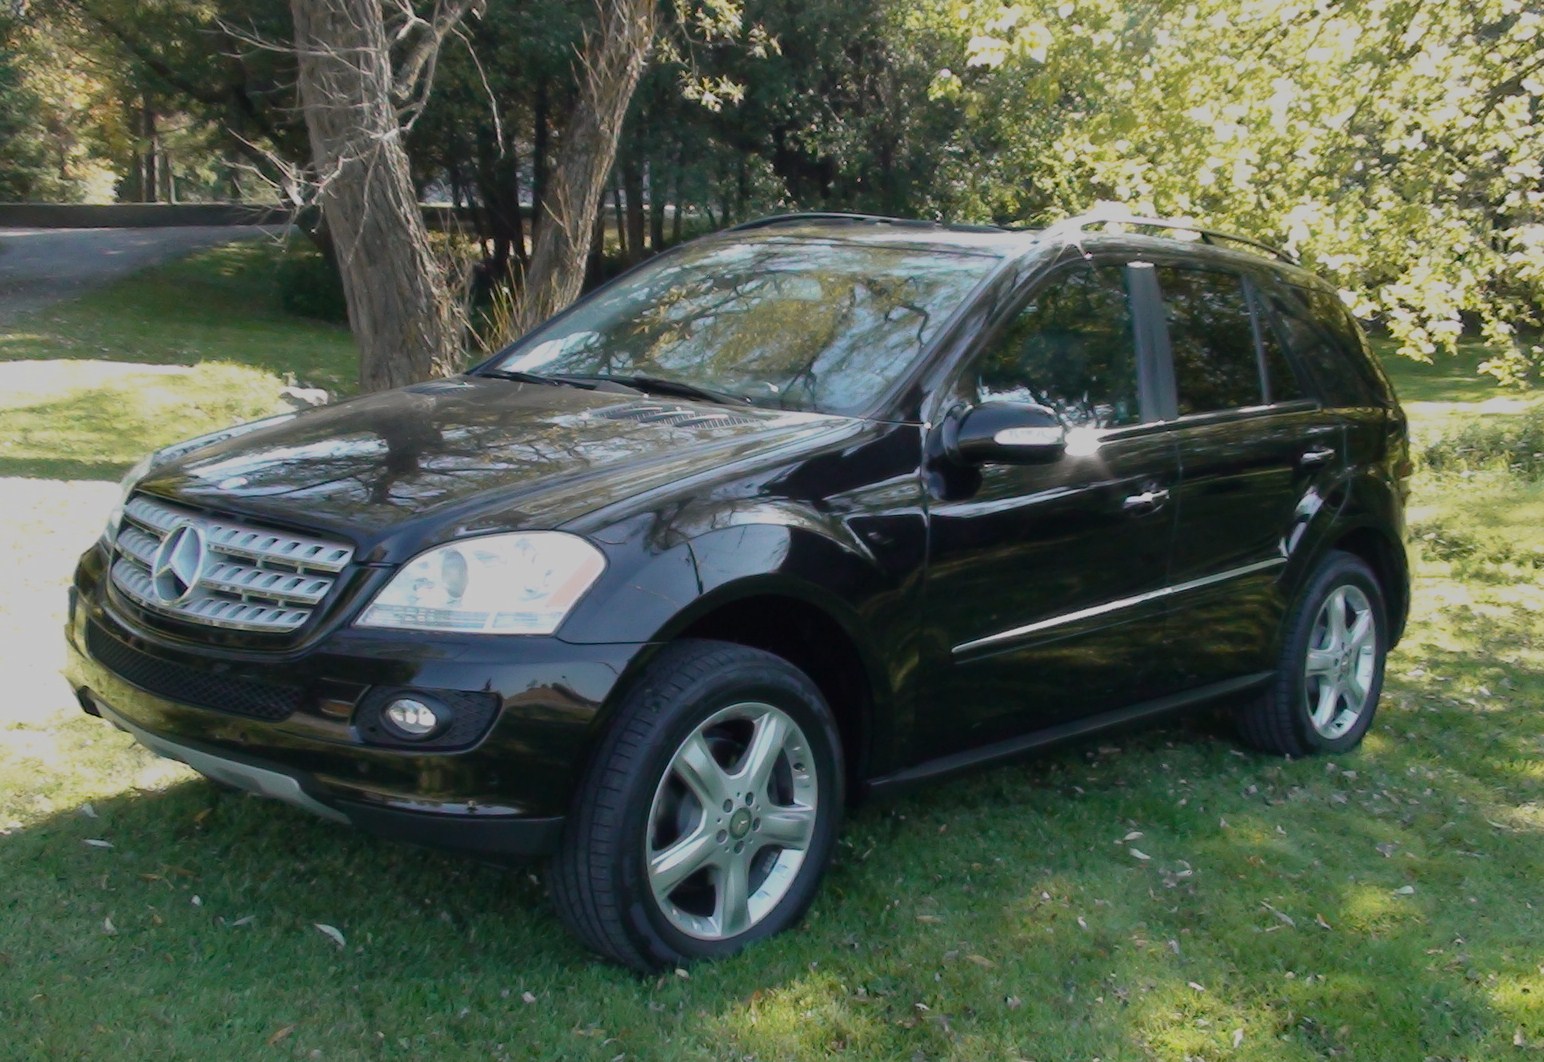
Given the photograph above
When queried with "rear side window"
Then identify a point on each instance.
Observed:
(1281, 382)
(1071, 350)
(1212, 338)
(1326, 341)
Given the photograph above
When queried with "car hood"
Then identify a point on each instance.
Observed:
(397, 470)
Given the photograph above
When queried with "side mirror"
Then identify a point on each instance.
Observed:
(1005, 433)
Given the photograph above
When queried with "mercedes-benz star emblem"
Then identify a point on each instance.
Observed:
(175, 570)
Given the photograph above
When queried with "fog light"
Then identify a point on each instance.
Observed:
(412, 717)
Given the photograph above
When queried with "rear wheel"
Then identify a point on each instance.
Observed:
(1330, 671)
(710, 812)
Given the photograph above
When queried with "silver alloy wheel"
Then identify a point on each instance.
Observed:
(732, 819)
(1342, 660)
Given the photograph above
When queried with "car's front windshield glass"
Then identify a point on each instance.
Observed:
(789, 323)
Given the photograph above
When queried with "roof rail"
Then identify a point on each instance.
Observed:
(1080, 222)
(831, 215)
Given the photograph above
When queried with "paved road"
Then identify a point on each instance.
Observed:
(42, 266)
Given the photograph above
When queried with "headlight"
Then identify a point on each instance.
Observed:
(522, 583)
(126, 485)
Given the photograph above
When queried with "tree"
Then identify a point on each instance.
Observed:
(1394, 144)
(399, 305)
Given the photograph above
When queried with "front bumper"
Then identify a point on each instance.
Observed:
(502, 796)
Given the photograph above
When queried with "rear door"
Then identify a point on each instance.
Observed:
(1044, 581)
(1254, 449)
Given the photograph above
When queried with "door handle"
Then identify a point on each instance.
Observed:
(1316, 456)
(1146, 502)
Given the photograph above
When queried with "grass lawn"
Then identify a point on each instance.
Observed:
(1155, 895)
(88, 386)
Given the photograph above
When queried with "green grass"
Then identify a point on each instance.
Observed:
(1380, 905)
(88, 386)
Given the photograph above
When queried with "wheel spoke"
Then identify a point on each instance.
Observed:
(694, 765)
(1336, 609)
(1329, 700)
(1320, 662)
(732, 908)
(1362, 631)
(761, 755)
(679, 861)
(790, 827)
(1356, 690)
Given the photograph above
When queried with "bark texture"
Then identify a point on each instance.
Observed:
(612, 60)
(399, 307)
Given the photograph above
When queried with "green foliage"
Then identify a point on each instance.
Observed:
(1394, 144)
(309, 284)
(1514, 443)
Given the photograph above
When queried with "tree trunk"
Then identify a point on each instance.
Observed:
(612, 60)
(656, 208)
(149, 178)
(616, 203)
(632, 189)
(540, 154)
(399, 306)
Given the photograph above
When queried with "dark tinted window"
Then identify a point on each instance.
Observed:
(1319, 331)
(1282, 384)
(1070, 350)
(1212, 337)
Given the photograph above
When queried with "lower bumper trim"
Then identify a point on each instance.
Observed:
(260, 780)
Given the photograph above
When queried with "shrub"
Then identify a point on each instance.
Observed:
(309, 285)
(1513, 442)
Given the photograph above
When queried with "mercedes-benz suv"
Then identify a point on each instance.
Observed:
(820, 506)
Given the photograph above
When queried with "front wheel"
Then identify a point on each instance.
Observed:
(1330, 671)
(709, 814)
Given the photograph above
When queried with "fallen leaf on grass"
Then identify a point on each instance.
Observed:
(331, 933)
(280, 1035)
(97, 842)
(1280, 915)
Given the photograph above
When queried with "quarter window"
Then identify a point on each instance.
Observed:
(1070, 350)
(1320, 332)
(1212, 338)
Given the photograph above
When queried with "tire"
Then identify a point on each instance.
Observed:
(1328, 676)
(724, 759)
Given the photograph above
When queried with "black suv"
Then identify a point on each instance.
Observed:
(820, 506)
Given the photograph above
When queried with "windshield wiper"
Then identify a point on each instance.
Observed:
(536, 378)
(666, 386)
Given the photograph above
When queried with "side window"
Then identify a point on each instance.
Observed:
(1281, 382)
(1212, 338)
(1320, 333)
(1071, 350)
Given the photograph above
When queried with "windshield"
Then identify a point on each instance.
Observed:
(821, 325)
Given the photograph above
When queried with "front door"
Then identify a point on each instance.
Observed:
(1044, 584)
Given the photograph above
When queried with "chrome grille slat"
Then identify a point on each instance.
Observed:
(252, 579)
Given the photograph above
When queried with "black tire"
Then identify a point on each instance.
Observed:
(600, 878)
(1282, 720)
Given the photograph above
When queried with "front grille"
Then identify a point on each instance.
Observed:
(186, 685)
(234, 575)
